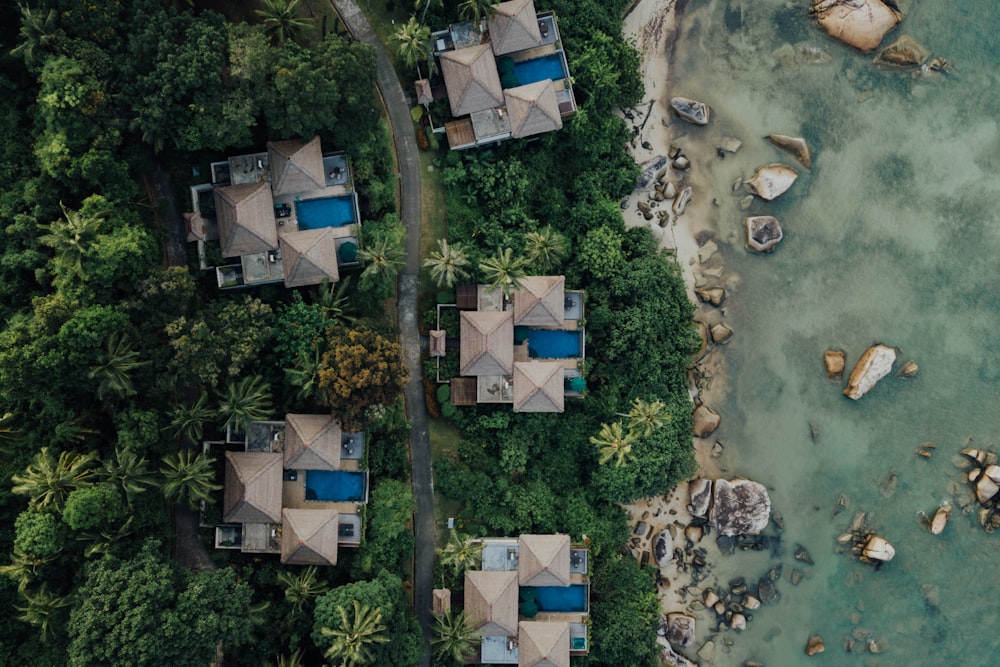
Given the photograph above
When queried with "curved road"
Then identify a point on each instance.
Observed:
(409, 183)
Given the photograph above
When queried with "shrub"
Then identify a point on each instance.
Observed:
(422, 140)
(443, 393)
(449, 410)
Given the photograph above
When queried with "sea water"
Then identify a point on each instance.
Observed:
(893, 236)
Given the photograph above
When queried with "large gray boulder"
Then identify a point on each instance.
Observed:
(690, 110)
(763, 232)
(663, 548)
(740, 507)
(649, 171)
(772, 180)
(680, 630)
(700, 492)
(859, 23)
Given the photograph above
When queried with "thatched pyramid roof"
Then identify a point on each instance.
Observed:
(245, 214)
(308, 256)
(538, 386)
(487, 342)
(543, 560)
(312, 442)
(296, 166)
(491, 602)
(543, 644)
(514, 27)
(309, 536)
(253, 487)
(472, 79)
(441, 601)
(533, 109)
(540, 302)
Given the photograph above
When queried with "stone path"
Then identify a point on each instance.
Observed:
(407, 153)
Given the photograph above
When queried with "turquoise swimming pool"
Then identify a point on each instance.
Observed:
(326, 212)
(539, 69)
(560, 598)
(335, 485)
(550, 343)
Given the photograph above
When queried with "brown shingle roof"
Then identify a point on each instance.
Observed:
(540, 302)
(309, 536)
(538, 386)
(533, 109)
(463, 391)
(514, 27)
(491, 602)
(312, 442)
(543, 560)
(308, 256)
(296, 166)
(543, 644)
(472, 79)
(253, 487)
(246, 219)
(487, 342)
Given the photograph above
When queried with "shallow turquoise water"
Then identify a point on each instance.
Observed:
(891, 237)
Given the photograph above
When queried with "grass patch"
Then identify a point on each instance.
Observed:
(444, 443)
(385, 17)
(433, 220)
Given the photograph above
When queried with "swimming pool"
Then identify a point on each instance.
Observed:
(325, 212)
(539, 69)
(550, 343)
(560, 598)
(335, 485)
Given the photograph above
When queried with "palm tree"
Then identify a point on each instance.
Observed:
(39, 32)
(305, 376)
(40, 607)
(474, 10)
(71, 237)
(333, 302)
(47, 480)
(294, 660)
(115, 366)
(100, 541)
(413, 43)
(384, 259)
(504, 271)
(302, 588)
(353, 638)
(128, 471)
(448, 263)
(614, 443)
(243, 402)
(71, 431)
(460, 553)
(545, 248)
(454, 638)
(11, 433)
(189, 421)
(24, 566)
(187, 478)
(280, 19)
(646, 416)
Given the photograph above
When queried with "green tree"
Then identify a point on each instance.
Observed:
(361, 369)
(187, 478)
(115, 366)
(71, 237)
(504, 271)
(243, 402)
(614, 443)
(48, 480)
(36, 533)
(305, 376)
(475, 10)
(460, 553)
(354, 635)
(545, 248)
(24, 566)
(646, 416)
(601, 253)
(389, 538)
(127, 471)
(92, 506)
(281, 20)
(303, 587)
(334, 303)
(188, 421)
(455, 639)
(40, 607)
(413, 43)
(448, 263)
(39, 33)
(383, 259)
(100, 540)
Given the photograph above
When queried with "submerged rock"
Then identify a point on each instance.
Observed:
(904, 53)
(740, 507)
(771, 180)
(797, 146)
(834, 362)
(712, 295)
(721, 334)
(874, 365)
(909, 370)
(763, 232)
(858, 23)
(814, 645)
(690, 110)
(705, 421)
(767, 591)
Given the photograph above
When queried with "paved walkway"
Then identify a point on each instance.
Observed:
(409, 181)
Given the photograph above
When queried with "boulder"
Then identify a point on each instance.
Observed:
(682, 201)
(797, 146)
(874, 365)
(751, 603)
(663, 548)
(802, 554)
(680, 630)
(707, 251)
(814, 645)
(763, 232)
(858, 23)
(703, 337)
(670, 658)
(730, 144)
(738, 622)
(878, 548)
(993, 472)
(909, 370)
(986, 489)
(771, 180)
(650, 168)
(712, 295)
(707, 651)
(940, 519)
(700, 493)
(834, 361)
(705, 421)
(767, 591)
(904, 53)
(740, 507)
(690, 110)
(721, 334)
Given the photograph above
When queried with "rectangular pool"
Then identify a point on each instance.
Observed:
(560, 598)
(326, 212)
(336, 485)
(539, 69)
(550, 343)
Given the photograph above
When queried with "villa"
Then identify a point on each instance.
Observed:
(289, 215)
(296, 489)
(525, 350)
(530, 602)
(509, 81)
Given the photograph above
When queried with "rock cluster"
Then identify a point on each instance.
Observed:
(983, 474)
(865, 544)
